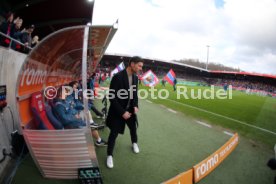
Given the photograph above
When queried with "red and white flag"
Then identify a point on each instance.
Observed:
(149, 79)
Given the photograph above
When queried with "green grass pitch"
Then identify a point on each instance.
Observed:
(250, 115)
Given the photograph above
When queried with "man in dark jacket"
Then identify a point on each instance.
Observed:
(7, 27)
(123, 106)
(26, 38)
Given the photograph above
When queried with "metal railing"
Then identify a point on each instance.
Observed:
(14, 40)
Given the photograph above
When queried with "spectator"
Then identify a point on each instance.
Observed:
(35, 41)
(17, 33)
(75, 100)
(7, 28)
(26, 38)
(63, 112)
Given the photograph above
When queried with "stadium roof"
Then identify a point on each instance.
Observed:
(159, 60)
(49, 15)
(197, 68)
(244, 73)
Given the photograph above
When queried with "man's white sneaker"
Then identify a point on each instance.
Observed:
(109, 162)
(135, 148)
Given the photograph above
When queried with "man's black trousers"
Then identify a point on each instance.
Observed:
(114, 134)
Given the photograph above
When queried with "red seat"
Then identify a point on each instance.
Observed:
(39, 112)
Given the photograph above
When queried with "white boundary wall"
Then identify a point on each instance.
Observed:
(10, 64)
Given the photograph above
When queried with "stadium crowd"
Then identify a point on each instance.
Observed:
(243, 84)
(11, 28)
(236, 81)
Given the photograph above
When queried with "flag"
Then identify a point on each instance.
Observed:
(170, 77)
(149, 79)
(119, 68)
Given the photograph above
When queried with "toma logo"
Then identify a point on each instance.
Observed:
(33, 77)
(207, 165)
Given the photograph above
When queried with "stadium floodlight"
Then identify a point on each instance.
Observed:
(207, 56)
(116, 24)
(89, 24)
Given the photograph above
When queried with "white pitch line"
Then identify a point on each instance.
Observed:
(204, 124)
(228, 133)
(149, 101)
(225, 117)
(172, 111)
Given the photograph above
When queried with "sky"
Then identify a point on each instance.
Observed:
(240, 33)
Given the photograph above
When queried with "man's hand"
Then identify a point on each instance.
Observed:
(126, 115)
(77, 116)
(136, 110)
(15, 20)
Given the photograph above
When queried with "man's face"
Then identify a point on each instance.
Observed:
(10, 18)
(30, 30)
(75, 86)
(18, 24)
(136, 68)
(64, 94)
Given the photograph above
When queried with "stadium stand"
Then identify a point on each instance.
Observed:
(239, 80)
(36, 14)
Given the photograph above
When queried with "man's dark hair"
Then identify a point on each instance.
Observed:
(73, 83)
(59, 92)
(135, 60)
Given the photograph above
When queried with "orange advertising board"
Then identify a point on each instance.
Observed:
(183, 178)
(36, 78)
(206, 166)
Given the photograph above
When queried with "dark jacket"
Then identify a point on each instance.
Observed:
(65, 116)
(5, 26)
(16, 35)
(118, 106)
